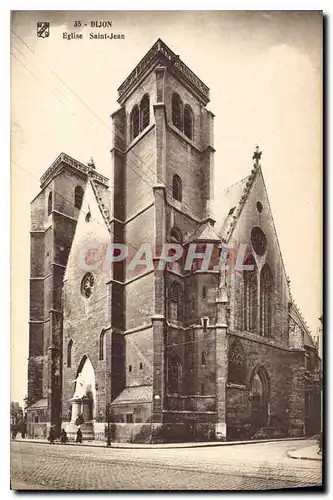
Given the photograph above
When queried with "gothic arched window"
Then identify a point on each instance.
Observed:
(250, 308)
(175, 302)
(258, 240)
(78, 197)
(49, 204)
(177, 187)
(174, 376)
(69, 353)
(102, 346)
(135, 122)
(144, 112)
(266, 291)
(188, 121)
(176, 235)
(87, 285)
(177, 112)
(237, 368)
(176, 238)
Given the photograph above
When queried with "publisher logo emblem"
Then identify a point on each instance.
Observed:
(43, 29)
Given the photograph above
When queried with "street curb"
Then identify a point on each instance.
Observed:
(289, 454)
(130, 446)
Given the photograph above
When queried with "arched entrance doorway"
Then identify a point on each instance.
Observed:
(85, 386)
(83, 401)
(259, 398)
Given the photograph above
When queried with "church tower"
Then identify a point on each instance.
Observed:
(163, 185)
(54, 214)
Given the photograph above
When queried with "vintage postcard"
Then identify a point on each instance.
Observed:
(166, 319)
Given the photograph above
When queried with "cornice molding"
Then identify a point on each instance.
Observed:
(161, 53)
(63, 158)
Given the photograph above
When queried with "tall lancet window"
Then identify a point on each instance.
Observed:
(188, 121)
(174, 376)
(177, 238)
(177, 188)
(135, 122)
(177, 112)
(49, 204)
(144, 112)
(266, 300)
(102, 346)
(236, 366)
(250, 302)
(175, 302)
(78, 197)
(69, 353)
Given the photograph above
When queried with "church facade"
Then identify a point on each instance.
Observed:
(170, 352)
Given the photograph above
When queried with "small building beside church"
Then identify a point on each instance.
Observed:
(171, 353)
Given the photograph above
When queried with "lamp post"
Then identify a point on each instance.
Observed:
(108, 416)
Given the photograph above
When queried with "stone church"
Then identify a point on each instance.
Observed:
(219, 352)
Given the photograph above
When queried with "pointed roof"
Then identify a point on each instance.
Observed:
(204, 232)
(134, 394)
(65, 161)
(160, 53)
(41, 403)
(230, 199)
(98, 229)
(308, 339)
(234, 198)
(102, 207)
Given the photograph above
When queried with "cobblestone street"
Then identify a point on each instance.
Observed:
(243, 467)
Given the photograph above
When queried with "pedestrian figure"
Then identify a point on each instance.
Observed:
(108, 436)
(79, 436)
(14, 431)
(23, 429)
(51, 437)
(63, 436)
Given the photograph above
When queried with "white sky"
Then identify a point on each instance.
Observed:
(264, 71)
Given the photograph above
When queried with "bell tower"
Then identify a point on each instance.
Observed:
(54, 214)
(163, 176)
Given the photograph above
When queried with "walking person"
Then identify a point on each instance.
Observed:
(23, 429)
(79, 436)
(63, 436)
(51, 437)
(14, 431)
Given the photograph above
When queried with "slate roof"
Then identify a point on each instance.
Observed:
(135, 394)
(308, 339)
(204, 232)
(42, 403)
(233, 199)
(103, 208)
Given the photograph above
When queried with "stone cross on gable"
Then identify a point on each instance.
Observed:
(257, 155)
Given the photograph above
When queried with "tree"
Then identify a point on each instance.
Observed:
(16, 412)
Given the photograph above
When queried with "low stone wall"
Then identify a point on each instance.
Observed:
(38, 430)
(100, 431)
(131, 433)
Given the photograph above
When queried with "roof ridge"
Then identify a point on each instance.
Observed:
(105, 215)
(202, 226)
(241, 202)
(300, 314)
(235, 183)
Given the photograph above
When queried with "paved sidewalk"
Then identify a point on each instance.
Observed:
(102, 444)
(307, 453)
